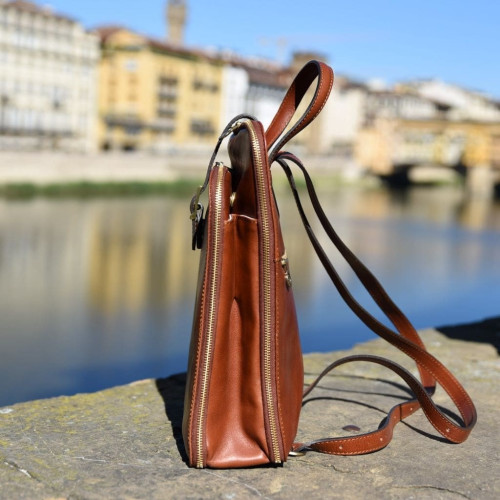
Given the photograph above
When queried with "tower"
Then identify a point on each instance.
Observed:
(176, 21)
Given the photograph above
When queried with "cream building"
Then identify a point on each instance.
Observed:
(48, 83)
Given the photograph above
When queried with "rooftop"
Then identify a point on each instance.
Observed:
(46, 11)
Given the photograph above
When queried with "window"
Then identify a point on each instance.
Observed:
(202, 127)
(131, 65)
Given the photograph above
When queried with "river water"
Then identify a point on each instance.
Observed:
(99, 292)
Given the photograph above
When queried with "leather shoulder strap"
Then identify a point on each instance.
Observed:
(298, 88)
(407, 340)
(404, 328)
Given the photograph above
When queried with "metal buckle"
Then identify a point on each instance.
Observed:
(196, 205)
(197, 226)
(232, 129)
(300, 451)
(296, 453)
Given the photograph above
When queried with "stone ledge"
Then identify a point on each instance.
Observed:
(125, 442)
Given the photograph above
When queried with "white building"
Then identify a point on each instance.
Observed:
(48, 80)
(235, 85)
(254, 87)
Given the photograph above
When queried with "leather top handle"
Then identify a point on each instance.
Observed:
(292, 99)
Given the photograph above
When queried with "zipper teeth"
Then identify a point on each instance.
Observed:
(267, 295)
(211, 318)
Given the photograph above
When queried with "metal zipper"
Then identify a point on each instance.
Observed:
(217, 215)
(264, 216)
(267, 313)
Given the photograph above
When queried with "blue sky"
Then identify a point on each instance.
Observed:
(457, 41)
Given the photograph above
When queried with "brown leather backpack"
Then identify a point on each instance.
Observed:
(245, 375)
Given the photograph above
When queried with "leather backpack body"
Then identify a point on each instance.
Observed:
(245, 374)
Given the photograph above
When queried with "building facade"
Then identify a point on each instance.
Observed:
(427, 123)
(154, 95)
(48, 80)
(462, 103)
(255, 87)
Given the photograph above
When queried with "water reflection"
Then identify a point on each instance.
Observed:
(100, 292)
(442, 268)
(138, 256)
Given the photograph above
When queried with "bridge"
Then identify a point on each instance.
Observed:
(403, 151)
(479, 179)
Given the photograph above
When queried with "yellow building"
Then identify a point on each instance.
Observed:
(155, 94)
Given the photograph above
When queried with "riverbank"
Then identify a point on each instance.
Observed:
(50, 173)
(26, 174)
(125, 442)
(47, 167)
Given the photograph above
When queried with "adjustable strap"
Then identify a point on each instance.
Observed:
(407, 340)
(292, 99)
(376, 440)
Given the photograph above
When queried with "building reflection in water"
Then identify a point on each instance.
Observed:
(100, 292)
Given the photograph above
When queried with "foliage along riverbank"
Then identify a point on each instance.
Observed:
(93, 189)
(179, 186)
(86, 189)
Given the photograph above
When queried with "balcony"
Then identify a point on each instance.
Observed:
(124, 120)
(205, 85)
(166, 126)
(11, 130)
(168, 81)
(165, 112)
(167, 93)
(202, 127)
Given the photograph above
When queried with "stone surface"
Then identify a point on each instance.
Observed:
(126, 442)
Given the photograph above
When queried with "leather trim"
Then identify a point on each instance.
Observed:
(292, 99)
